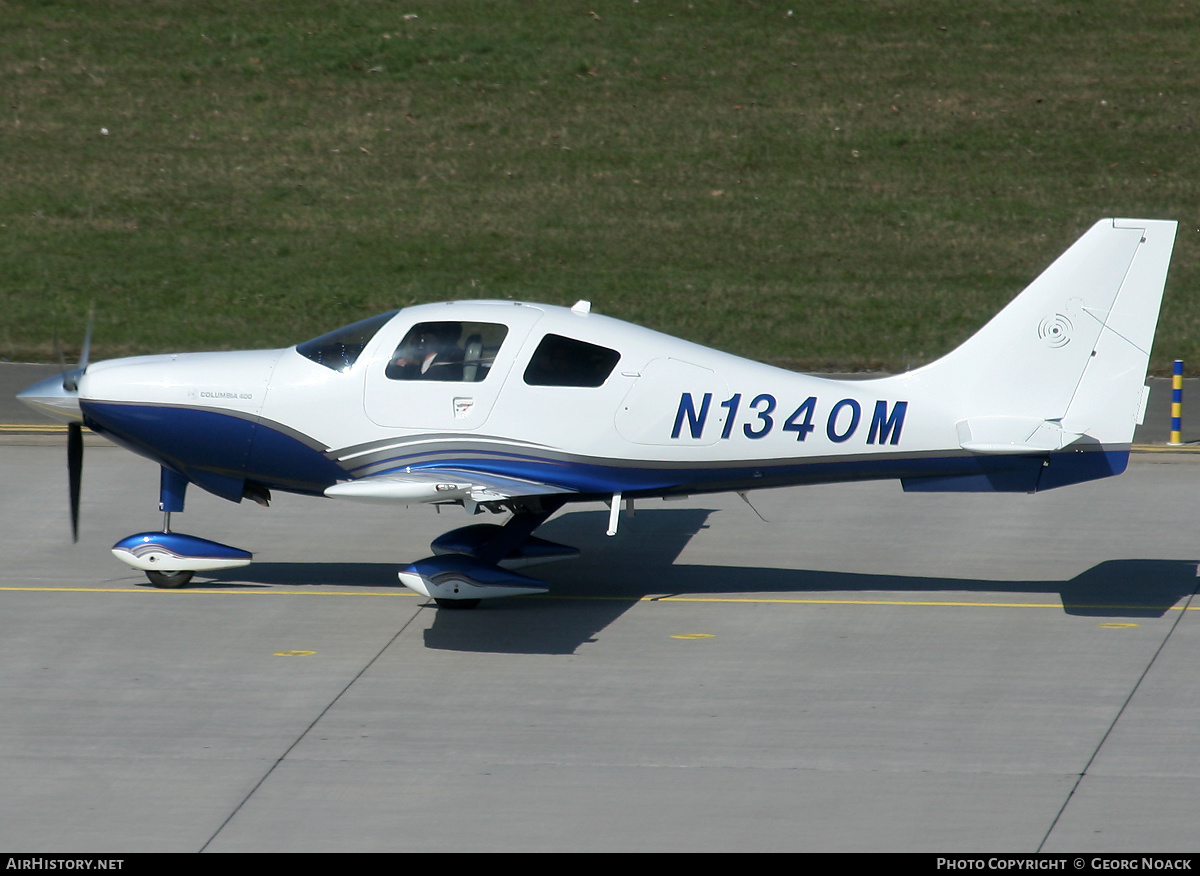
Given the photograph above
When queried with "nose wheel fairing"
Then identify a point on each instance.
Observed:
(177, 552)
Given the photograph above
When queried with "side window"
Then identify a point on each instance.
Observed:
(340, 349)
(560, 361)
(462, 352)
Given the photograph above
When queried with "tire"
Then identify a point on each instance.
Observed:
(170, 580)
(456, 603)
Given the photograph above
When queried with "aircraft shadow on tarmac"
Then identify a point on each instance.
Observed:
(613, 573)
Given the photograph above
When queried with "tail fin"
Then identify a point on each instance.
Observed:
(1067, 357)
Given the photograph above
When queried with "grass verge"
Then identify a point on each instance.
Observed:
(843, 185)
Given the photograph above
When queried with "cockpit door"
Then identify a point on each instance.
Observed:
(445, 373)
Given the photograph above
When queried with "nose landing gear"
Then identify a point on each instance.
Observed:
(170, 559)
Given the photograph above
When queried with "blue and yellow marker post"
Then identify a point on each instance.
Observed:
(1177, 404)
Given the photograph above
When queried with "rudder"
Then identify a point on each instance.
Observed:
(1109, 401)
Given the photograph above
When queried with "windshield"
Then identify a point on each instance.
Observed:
(340, 348)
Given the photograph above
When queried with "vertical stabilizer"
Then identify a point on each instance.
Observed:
(1072, 349)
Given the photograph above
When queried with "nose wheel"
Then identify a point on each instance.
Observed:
(169, 580)
(460, 604)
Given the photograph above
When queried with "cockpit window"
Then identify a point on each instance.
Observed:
(449, 351)
(560, 361)
(340, 348)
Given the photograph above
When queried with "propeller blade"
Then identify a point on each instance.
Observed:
(62, 360)
(71, 378)
(74, 472)
(85, 356)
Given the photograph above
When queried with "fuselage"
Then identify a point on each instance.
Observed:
(552, 395)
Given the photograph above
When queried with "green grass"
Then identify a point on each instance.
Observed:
(852, 185)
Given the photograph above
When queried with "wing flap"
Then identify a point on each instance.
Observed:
(439, 485)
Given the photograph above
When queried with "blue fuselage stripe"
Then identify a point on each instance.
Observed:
(220, 452)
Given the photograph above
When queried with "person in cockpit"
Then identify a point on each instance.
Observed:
(430, 351)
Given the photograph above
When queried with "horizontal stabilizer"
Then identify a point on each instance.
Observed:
(1012, 435)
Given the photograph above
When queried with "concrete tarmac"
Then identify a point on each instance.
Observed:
(868, 670)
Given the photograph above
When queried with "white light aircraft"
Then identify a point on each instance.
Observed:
(523, 408)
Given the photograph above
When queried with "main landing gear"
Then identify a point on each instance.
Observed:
(476, 562)
(451, 604)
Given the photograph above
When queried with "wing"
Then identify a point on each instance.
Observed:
(440, 485)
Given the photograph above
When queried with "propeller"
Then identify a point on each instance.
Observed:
(70, 383)
(74, 472)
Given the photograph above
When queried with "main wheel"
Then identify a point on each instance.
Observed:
(169, 580)
(456, 603)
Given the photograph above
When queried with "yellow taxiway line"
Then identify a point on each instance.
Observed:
(760, 600)
(46, 428)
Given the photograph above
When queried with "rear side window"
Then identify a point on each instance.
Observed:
(340, 348)
(560, 361)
